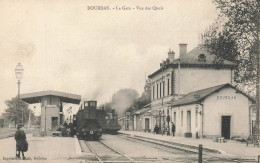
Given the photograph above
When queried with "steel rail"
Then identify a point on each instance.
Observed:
(179, 149)
(154, 142)
(95, 154)
(116, 151)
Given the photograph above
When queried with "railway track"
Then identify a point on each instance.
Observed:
(191, 154)
(105, 154)
(100, 151)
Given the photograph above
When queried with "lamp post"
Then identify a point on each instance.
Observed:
(19, 76)
(163, 121)
(160, 114)
(168, 121)
(163, 65)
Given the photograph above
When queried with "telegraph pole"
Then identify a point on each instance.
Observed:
(257, 68)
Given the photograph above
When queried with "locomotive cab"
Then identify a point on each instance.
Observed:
(86, 123)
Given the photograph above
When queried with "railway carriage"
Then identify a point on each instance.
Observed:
(108, 121)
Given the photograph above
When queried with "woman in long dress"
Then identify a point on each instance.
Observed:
(21, 142)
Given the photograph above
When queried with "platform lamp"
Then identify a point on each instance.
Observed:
(160, 126)
(45, 105)
(197, 109)
(168, 118)
(163, 116)
(19, 76)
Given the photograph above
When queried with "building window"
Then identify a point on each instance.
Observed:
(153, 92)
(202, 58)
(157, 90)
(163, 88)
(181, 118)
(160, 90)
(168, 87)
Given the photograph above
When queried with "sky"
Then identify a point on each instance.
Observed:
(65, 47)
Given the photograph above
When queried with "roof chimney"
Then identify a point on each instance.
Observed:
(161, 65)
(171, 56)
(183, 49)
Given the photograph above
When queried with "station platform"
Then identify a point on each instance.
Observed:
(231, 147)
(42, 149)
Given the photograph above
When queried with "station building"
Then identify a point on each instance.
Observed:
(51, 106)
(196, 92)
(219, 111)
(143, 119)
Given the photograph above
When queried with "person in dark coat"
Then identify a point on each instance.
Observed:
(156, 129)
(173, 129)
(21, 142)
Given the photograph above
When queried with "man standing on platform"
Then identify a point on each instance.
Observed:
(173, 129)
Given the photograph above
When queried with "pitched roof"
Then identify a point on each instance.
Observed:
(190, 59)
(143, 109)
(65, 97)
(197, 96)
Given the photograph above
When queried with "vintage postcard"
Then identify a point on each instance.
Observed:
(129, 81)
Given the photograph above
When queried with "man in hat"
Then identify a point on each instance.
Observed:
(21, 143)
(173, 129)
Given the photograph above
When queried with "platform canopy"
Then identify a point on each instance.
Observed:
(35, 97)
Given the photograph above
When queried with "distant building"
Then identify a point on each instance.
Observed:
(195, 71)
(143, 119)
(121, 122)
(127, 122)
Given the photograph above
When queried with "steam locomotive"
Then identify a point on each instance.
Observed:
(85, 121)
(108, 120)
(90, 122)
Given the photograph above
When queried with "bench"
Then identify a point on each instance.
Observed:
(219, 139)
(57, 133)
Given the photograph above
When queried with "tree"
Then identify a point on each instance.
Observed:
(234, 37)
(240, 27)
(146, 95)
(36, 120)
(219, 42)
(242, 23)
(13, 114)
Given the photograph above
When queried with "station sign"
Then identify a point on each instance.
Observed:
(227, 97)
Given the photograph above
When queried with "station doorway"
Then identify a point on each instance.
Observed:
(225, 127)
(147, 124)
(54, 123)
